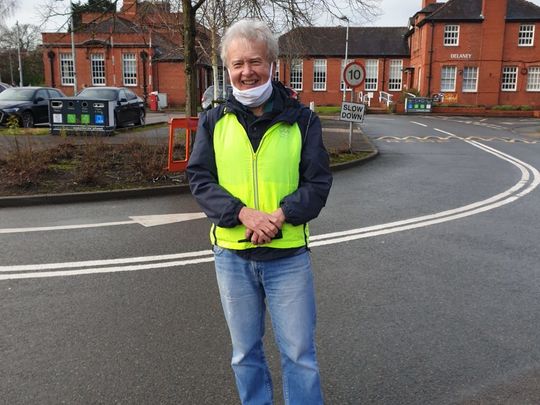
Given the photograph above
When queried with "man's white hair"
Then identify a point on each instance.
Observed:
(253, 31)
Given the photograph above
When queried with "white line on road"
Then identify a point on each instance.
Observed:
(63, 227)
(147, 221)
(418, 123)
(530, 179)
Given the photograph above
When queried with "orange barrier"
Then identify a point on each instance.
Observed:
(189, 124)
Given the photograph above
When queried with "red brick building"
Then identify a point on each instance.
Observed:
(139, 47)
(475, 52)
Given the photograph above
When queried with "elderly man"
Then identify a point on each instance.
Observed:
(260, 172)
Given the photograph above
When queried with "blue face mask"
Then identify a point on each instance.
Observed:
(256, 96)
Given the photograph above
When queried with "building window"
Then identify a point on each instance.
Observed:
(129, 69)
(448, 78)
(526, 35)
(98, 69)
(470, 79)
(296, 74)
(533, 78)
(319, 74)
(451, 35)
(276, 73)
(509, 78)
(372, 74)
(342, 85)
(67, 71)
(394, 81)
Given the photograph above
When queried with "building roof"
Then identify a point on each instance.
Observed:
(330, 41)
(471, 10)
(458, 10)
(519, 10)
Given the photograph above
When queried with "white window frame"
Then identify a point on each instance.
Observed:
(448, 78)
(297, 74)
(451, 35)
(509, 78)
(276, 73)
(470, 75)
(129, 69)
(67, 69)
(371, 82)
(319, 74)
(97, 69)
(342, 85)
(526, 35)
(533, 78)
(395, 79)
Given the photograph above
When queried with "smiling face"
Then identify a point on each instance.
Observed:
(247, 64)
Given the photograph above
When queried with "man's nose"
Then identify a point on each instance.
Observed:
(247, 69)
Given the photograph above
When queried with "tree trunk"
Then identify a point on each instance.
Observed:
(190, 58)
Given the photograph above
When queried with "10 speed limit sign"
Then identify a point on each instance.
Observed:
(354, 74)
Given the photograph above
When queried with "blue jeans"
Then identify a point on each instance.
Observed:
(287, 286)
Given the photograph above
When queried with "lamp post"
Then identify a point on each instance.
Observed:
(19, 55)
(72, 29)
(344, 18)
(72, 25)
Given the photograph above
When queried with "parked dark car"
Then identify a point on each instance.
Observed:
(129, 108)
(208, 96)
(30, 105)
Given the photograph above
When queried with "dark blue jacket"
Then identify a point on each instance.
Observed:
(315, 177)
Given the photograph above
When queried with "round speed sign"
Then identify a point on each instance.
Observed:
(354, 74)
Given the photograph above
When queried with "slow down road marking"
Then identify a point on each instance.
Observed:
(530, 178)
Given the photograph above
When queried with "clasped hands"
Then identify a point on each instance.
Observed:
(261, 227)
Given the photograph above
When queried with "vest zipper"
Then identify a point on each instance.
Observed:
(255, 182)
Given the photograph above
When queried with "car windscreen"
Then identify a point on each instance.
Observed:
(17, 94)
(105, 94)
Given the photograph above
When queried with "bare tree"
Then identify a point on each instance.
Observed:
(29, 37)
(6, 8)
(281, 15)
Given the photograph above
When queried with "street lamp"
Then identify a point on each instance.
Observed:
(72, 29)
(72, 24)
(344, 18)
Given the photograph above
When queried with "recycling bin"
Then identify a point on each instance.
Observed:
(76, 115)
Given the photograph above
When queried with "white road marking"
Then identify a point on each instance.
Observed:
(154, 220)
(530, 179)
(63, 227)
(418, 123)
(147, 221)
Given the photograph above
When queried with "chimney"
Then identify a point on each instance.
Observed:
(129, 7)
(494, 8)
(426, 3)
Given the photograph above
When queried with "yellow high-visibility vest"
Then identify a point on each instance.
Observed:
(259, 179)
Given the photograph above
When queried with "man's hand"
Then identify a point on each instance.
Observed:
(261, 227)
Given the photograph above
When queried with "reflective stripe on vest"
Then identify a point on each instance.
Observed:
(259, 179)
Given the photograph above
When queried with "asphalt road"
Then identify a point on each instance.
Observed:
(426, 264)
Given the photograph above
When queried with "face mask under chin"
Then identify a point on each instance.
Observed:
(256, 96)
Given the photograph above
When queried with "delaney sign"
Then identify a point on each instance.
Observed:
(352, 112)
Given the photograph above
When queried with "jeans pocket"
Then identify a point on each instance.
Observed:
(217, 250)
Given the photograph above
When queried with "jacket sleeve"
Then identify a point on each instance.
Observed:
(315, 177)
(216, 202)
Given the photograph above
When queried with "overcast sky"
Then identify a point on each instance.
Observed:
(394, 13)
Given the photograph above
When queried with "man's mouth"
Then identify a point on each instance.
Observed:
(249, 82)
